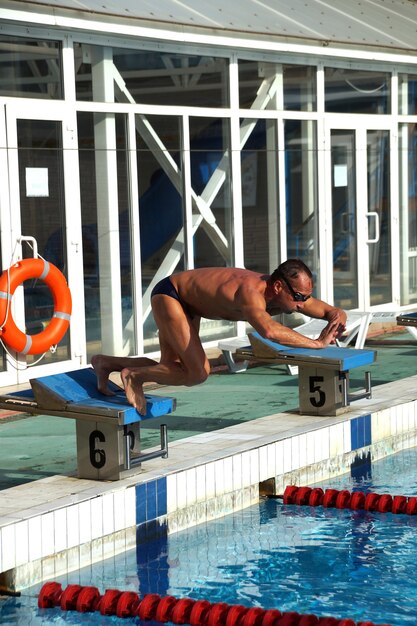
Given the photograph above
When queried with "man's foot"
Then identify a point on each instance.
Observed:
(134, 390)
(103, 371)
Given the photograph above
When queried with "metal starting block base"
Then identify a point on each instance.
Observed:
(107, 427)
(323, 375)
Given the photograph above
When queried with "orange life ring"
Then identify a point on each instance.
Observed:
(58, 325)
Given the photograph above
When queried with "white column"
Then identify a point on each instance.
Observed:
(107, 203)
(272, 157)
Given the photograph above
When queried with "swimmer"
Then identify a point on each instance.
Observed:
(181, 300)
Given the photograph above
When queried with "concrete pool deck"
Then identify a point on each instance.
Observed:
(35, 447)
(52, 522)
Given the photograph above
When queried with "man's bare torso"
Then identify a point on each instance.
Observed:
(216, 292)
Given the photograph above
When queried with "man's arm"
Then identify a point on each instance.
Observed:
(257, 316)
(270, 329)
(319, 309)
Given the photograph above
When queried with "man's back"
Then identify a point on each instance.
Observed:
(216, 292)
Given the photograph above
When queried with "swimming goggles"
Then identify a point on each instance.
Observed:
(297, 296)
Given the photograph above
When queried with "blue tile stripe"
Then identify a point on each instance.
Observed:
(360, 432)
(151, 500)
(161, 497)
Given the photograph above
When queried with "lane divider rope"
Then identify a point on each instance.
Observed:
(344, 499)
(152, 607)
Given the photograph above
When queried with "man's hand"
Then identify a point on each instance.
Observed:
(331, 332)
(340, 316)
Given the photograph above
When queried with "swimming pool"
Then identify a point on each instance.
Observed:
(349, 564)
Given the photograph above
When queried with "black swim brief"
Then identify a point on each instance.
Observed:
(166, 288)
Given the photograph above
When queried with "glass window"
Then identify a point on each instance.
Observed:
(161, 206)
(161, 210)
(30, 68)
(42, 217)
(356, 91)
(407, 94)
(259, 166)
(260, 86)
(408, 212)
(301, 192)
(379, 216)
(149, 77)
(105, 218)
(212, 214)
(344, 218)
(210, 179)
(299, 88)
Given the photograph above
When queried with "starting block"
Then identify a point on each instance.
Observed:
(323, 375)
(107, 427)
(410, 320)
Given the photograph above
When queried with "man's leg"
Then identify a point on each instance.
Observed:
(183, 360)
(104, 365)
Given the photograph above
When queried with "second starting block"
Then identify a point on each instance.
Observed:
(323, 375)
(107, 427)
(407, 319)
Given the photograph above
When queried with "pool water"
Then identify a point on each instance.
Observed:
(343, 563)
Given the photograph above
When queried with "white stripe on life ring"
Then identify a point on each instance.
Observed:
(28, 344)
(45, 270)
(62, 316)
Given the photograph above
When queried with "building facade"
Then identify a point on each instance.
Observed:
(136, 141)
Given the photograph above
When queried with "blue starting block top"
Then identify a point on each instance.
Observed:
(74, 394)
(343, 358)
(407, 319)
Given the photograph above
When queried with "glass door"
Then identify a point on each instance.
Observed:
(360, 205)
(43, 213)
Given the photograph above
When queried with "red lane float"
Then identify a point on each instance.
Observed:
(165, 608)
(128, 604)
(153, 607)
(199, 612)
(50, 595)
(69, 597)
(88, 600)
(107, 604)
(333, 498)
(181, 613)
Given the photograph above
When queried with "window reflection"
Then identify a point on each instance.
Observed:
(161, 210)
(212, 213)
(408, 212)
(30, 68)
(148, 77)
(379, 216)
(301, 191)
(260, 86)
(259, 166)
(356, 91)
(106, 234)
(42, 217)
(162, 205)
(210, 180)
(299, 88)
(407, 94)
(344, 248)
